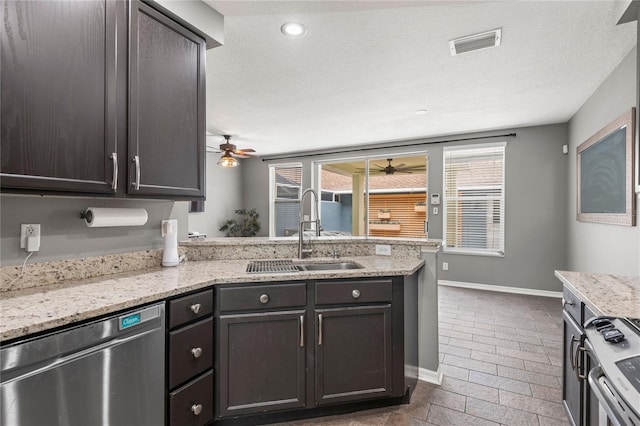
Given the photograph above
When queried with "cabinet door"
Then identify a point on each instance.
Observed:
(166, 106)
(58, 85)
(353, 353)
(571, 386)
(261, 364)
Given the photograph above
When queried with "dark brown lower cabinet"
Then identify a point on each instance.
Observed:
(295, 349)
(261, 362)
(571, 385)
(192, 404)
(353, 353)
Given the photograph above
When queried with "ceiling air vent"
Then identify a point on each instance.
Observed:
(475, 42)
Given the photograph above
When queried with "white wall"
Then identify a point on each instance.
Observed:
(594, 247)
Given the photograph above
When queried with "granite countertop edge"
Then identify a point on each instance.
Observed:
(35, 310)
(604, 294)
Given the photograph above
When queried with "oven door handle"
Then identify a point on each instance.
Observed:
(605, 397)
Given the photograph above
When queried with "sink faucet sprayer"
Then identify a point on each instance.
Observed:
(302, 252)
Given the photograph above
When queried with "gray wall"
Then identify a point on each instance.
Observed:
(536, 207)
(597, 247)
(64, 235)
(223, 192)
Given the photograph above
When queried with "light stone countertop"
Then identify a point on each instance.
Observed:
(32, 310)
(608, 295)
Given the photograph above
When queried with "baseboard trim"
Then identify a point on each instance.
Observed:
(430, 376)
(502, 289)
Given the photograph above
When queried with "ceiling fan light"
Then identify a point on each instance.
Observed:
(227, 160)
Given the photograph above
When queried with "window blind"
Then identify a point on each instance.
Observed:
(285, 197)
(474, 199)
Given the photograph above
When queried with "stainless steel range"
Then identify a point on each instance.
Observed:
(615, 343)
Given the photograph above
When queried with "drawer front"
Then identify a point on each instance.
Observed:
(362, 291)
(192, 404)
(190, 351)
(260, 297)
(189, 308)
(572, 304)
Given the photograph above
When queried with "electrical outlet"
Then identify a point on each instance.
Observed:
(30, 231)
(383, 249)
(445, 266)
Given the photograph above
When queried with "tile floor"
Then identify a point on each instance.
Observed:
(501, 355)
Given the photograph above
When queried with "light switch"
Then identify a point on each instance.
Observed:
(435, 210)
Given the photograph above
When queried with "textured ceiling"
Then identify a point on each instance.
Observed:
(365, 67)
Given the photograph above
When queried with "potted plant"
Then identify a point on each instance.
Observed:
(247, 225)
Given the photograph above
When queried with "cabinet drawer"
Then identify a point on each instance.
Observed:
(572, 304)
(262, 297)
(190, 351)
(363, 291)
(192, 404)
(189, 308)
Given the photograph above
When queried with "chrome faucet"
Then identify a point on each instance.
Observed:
(302, 252)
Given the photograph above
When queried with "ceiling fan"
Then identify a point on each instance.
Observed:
(230, 152)
(390, 169)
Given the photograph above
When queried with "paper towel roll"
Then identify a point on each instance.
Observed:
(98, 217)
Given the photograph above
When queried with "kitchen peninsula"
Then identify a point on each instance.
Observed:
(381, 296)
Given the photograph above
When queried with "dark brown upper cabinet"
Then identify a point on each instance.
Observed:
(101, 98)
(59, 83)
(166, 106)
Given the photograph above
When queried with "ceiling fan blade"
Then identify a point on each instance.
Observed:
(210, 148)
(241, 154)
(397, 166)
(245, 150)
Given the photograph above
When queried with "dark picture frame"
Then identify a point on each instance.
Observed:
(605, 174)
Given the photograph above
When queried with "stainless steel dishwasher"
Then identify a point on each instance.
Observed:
(106, 372)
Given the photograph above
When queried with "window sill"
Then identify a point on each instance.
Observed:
(468, 252)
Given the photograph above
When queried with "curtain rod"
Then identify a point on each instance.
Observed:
(405, 145)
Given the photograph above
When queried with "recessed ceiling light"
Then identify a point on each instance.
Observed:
(421, 111)
(293, 29)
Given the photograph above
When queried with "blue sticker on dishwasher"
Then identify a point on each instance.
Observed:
(129, 320)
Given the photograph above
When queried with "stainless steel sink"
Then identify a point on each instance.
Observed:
(328, 266)
(287, 265)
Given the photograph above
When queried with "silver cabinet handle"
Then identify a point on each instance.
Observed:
(355, 293)
(319, 329)
(136, 183)
(571, 353)
(302, 331)
(264, 298)
(579, 365)
(567, 302)
(196, 409)
(195, 308)
(114, 181)
(196, 352)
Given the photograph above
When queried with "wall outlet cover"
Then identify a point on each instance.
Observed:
(29, 230)
(383, 250)
(445, 266)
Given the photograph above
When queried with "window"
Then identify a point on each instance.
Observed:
(285, 187)
(474, 199)
(388, 201)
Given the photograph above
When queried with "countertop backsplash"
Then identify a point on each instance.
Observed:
(40, 274)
